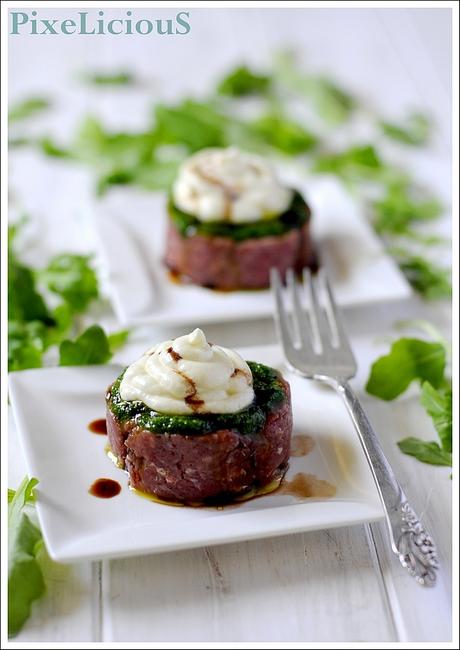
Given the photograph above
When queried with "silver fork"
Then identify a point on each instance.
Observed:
(316, 347)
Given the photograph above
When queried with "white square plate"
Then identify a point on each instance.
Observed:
(53, 408)
(131, 229)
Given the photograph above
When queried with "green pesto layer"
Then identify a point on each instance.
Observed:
(295, 216)
(269, 394)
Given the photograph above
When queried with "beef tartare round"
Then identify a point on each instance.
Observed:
(231, 221)
(193, 423)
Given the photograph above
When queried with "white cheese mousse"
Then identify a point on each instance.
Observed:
(189, 375)
(229, 185)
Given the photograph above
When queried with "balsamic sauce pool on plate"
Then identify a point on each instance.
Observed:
(105, 488)
(98, 426)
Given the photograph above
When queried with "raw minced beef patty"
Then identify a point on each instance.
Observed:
(222, 263)
(225, 256)
(197, 468)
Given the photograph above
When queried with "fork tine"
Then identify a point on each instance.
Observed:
(299, 314)
(280, 313)
(319, 323)
(334, 316)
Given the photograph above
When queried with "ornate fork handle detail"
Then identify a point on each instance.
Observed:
(416, 549)
(409, 539)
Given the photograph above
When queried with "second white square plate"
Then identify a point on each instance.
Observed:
(131, 228)
(53, 407)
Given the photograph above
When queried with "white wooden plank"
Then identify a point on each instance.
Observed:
(320, 586)
(421, 614)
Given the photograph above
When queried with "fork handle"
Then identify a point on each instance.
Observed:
(409, 539)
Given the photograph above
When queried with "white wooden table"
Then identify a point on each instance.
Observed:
(332, 585)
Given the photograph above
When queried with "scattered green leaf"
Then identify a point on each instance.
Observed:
(357, 163)
(20, 142)
(91, 347)
(153, 175)
(415, 359)
(25, 579)
(426, 452)
(399, 209)
(121, 78)
(51, 148)
(27, 108)
(26, 344)
(243, 81)
(414, 131)
(408, 360)
(194, 124)
(438, 404)
(284, 134)
(118, 339)
(13, 230)
(24, 301)
(33, 328)
(332, 103)
(108, 151)
(72, 277)
(29, 497)
(430, 280)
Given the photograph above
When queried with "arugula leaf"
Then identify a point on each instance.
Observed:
(331, 102)
(51, 148)
(118, 158)
(29, 496)
(121, 78)
(408, 360)
(63, 316)
(27, 108)
(426, 452)
(108, 151)
(152, 175)
(398, 210)
(71, 277)
(13, 230)
(33, 328)
(194, 124)
(243, 81)
(284, 134)
(26, 344)
(24, 301)
(438, 404)
(91, 347)
(415, 131)
(430, 280)
(414, 359)
(118, 339)
(25, 579)
(361, 162)
(19, 142)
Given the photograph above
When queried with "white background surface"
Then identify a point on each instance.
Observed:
(336, 585)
